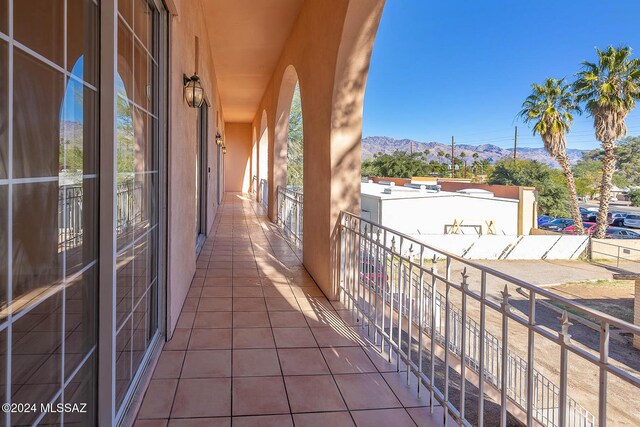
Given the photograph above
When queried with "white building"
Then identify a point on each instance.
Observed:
(414, 210)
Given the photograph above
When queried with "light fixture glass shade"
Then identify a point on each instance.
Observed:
(224, 150)
(193, 92)
(218, 139)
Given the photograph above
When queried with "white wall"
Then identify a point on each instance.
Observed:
(429, 215)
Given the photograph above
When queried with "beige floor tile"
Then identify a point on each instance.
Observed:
(253, 338)
(210, 319)
(251, 319)
(263, 421)
(207, 364)
(302, 361)
(169, 364)
(383, 418)
(315, 393)
(330, 337)
(247, 291)
(347, 360)
(406, 393)
(215, 304)
(200, 422)
(294, 337)
(287, 319)
(158, 399)
(366, 391)
(249, 304)
(217, 292)
(255, 363)
(179, 340)
(209, 397)
(424, 418)
(210, 339)
(323, 419)
(259, 395)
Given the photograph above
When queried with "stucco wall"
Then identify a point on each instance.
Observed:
(238, 138)
(329, 47)
(183, 137)
(429, 215)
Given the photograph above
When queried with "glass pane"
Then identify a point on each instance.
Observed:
(142, 76)
(37, 98)
(4, 247)
(36, 359)
(124, 285)
(82, 389)
(125, 60)
(4, 110)
(48, 17)
(82, 39)
(4, 13)
(143, 15)
(123, 362)
(79, 228)
(141, 268)
(125, 7)
(140, 333)
(80, 319)
(37, 261)
(78, 132)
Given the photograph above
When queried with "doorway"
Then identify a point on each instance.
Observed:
(202, 175)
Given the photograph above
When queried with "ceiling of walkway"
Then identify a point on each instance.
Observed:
(247, 38)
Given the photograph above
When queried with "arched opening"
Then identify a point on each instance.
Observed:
(289, 158)
(295, 144)
(263, 161)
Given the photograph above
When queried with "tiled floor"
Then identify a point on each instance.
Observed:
(258, 344)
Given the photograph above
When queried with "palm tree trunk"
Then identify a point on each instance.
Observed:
(608, 167)
(573, 194)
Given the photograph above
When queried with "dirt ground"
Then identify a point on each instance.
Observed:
(589, 284)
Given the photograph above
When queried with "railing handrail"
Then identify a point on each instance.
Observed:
(614, 321)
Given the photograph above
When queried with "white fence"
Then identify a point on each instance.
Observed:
(507, 247)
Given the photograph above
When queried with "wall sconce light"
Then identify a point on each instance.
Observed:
(224, 149)
(193, 92)
(219, 140)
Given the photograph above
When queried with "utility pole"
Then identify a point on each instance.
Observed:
(453, 163)
(515, 145)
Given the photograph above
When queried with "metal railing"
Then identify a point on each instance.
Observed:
(290, 212)
(384, 276)
(615, 249)
(254, 185)
(264, 193)
(71, 203)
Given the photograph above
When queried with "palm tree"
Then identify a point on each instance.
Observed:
(609, 90)
(464, 161)
(550, 107)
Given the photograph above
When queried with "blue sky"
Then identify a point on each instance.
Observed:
(453, 67)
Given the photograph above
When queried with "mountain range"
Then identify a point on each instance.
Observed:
(372, 145)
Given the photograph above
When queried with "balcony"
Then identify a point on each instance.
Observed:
(257, 341)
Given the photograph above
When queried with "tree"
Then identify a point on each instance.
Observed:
(295, 142)
(627, 154)
(634, 196)
(551, 107)
(552, 193)
(609, 90)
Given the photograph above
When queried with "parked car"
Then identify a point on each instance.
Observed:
(621, 233)
(632, 220)
(543, 219)
(616, 218)
(372, 272)
(589, 228)
(558, 224)
(589, 215)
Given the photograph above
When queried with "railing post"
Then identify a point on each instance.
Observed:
(564, 340)
(531, 357)
(410, 316)
(604, 360)
(463, 345)
(481, 373)
(432, 372)
(504, 356)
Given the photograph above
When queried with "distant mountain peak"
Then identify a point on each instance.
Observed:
(372, 145)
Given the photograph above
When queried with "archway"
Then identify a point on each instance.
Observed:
(263, 161)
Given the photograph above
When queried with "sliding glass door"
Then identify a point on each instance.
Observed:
(48, 208)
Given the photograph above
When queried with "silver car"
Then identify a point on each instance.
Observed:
(632, 220)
